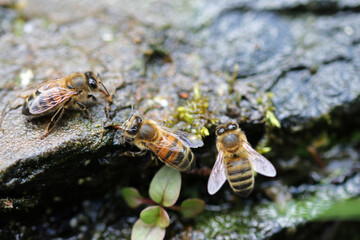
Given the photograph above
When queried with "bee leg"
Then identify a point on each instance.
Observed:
(107, 107)
(134, 154)
(152, 161)
(154, 158)
(85, 111)
(54, 120)
(92, 97)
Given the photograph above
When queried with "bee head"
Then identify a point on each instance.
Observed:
(133, 125)
(231, 126)
(230, 140)
(91, 80)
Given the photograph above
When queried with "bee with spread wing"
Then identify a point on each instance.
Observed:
(236, 161)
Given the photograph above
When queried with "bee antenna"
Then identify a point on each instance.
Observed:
(105, 89)
(98, 76)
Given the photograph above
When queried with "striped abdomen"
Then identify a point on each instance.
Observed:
(171, 151)
(240, 175)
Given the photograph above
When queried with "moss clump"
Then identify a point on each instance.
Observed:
(265, 100)
(270, 120)
(194, 116)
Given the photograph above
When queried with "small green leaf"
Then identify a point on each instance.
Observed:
(165, 186)
(197, 93)
(155, 215)
(270, 94)
(204, 131)
(164, 220)
(150, 214)
(270, 116)
(131, 196)
(192, 207)
(263, 150)
(145, 231)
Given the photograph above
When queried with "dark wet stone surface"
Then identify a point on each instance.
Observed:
(247, 39)
(332, 85)
(306, 53)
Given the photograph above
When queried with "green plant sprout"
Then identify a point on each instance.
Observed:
(270, 117)
(164, 191)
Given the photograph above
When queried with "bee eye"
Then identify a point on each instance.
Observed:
(133, 130)
(92, 83)
(220, 131)
(138, 120)
(232, 127)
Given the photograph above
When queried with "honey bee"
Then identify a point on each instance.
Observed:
(170, 146)
(56, 95)
(236, 161)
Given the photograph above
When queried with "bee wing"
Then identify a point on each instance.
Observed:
(165, 143)
(49, 99)
(259, 163)
(187, 139)
(218, 174)
(38, 85)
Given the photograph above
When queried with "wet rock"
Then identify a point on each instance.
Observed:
(269, 47)
(334, 84)
(247, 39)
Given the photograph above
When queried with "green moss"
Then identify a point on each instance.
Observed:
(271, 120)
(18, 26)
(233, 78)
(264, 105)
(195, 115)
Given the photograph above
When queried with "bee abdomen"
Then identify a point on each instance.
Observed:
(240, 176)
(185, 159)
(181, 160)
(28, 102)
(177, 156)
(25, 109)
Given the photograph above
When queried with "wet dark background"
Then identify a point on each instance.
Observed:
(295, 60)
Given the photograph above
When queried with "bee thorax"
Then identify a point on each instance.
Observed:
(230, 141)
(78, 82)
(147, 132)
